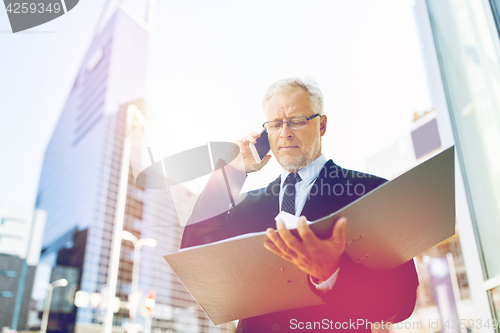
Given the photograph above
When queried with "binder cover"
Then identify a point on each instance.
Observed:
(385, 228)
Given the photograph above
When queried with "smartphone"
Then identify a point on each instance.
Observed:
(261, 148)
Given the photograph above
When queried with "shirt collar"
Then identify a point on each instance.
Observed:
(308, 173)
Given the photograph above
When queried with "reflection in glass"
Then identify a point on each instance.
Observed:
(471, 75)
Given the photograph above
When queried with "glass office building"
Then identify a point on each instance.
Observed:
(462, 48)
(20, 242)
(79, 188)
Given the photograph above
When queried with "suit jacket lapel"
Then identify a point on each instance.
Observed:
(272, 200)
(318, 203)
(258, 213)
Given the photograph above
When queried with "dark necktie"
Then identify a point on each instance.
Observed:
(288, 204)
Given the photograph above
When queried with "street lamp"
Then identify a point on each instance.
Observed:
(48, 300)
(138, 243)
(132, 113)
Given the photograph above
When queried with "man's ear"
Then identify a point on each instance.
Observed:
(322, 125)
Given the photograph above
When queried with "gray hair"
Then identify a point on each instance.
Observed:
(309, 85)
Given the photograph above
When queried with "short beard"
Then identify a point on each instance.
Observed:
(303, 160)
(294, 167)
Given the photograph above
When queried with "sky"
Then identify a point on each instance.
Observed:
(209, 65)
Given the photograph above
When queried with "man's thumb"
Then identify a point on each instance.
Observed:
(338, 232)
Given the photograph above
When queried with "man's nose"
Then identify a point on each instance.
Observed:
(285, 131)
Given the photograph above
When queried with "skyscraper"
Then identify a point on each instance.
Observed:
(79, 187)
(20, 241)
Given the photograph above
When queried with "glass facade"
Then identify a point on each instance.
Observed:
(467, 43)
(495, 302)
(468, 54)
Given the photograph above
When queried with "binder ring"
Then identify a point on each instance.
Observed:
(363, 257)
(355, 239)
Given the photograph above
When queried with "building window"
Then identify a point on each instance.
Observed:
(8, 273)
(494, 295)
(6, 294)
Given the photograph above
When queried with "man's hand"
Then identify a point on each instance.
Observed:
(245, 161)
(319, 258)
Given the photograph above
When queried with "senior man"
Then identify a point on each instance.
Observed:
(310, 187)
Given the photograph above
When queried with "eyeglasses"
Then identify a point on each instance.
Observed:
(293, 123)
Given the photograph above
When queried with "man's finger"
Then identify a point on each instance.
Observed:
(265, 160)
(278, 241)
(308, 237)
(272, 247)
(262, 163)
(338, 233)
(288, 238)
(251, 137)
(257, 166)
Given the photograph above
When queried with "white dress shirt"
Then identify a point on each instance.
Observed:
(309, 174)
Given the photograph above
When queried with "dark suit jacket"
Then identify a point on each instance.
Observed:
(359, 292)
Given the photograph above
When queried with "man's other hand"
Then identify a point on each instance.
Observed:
(245, 161)
(318, 258)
